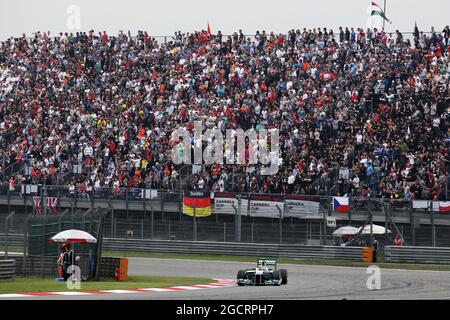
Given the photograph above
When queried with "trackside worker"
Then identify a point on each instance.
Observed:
(67, 260)
(60, 261)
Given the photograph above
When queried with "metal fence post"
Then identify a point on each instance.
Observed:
(224, 231)
(237, 229)
(7, 225)
(349, 211)
(9, 198)
(280, 225)
(76, 198)
(25, 244)
(152, 221)
(126, 200)
(113, 224)
(433, 230)
(44, 244)
(252, 231)
(371, 228)
(413, 227)
(239, 219)
(385, 224)
(59, 198)
(169, 229)
(25, 201)
(195, 225)
(142, 229)
(145, 206)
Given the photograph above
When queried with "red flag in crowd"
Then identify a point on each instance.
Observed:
(209, 30)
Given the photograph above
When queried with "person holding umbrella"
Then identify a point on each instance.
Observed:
(67, 260)
(71, 236)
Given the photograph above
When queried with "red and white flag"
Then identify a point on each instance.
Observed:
(209, 29)
(37, 206)
(444, 206)
(441, 206)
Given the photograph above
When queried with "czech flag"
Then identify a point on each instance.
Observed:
(340, 204)
(198, 201)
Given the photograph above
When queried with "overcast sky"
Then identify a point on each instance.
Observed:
(163, 17)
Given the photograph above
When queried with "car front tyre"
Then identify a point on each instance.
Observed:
(284, 276)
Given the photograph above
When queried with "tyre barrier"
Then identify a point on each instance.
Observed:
(7, 269)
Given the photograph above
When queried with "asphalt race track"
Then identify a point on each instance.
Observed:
(304, 282)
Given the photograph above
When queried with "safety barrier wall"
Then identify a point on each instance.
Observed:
(392, 253)
(233, 248)
(417, 254)
(35, 266)
(14, 240)
(7, 269)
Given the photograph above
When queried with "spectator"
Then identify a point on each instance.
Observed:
(108, 104)
(398, 241)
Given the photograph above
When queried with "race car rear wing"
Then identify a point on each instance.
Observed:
(269, 263)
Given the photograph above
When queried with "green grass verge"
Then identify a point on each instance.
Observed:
(324, 262)
(12, 249)
(34, 284)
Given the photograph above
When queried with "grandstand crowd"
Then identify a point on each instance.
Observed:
(375, 103)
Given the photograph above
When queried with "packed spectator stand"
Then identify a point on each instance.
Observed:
(375, 103)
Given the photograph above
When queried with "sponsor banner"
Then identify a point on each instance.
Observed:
(420, 204)
(344, 174)
(266, 208)
(331, 222)
(29, 188)
(300, 208)
(224, 205)
(151, 193)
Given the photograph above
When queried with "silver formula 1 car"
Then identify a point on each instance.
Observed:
(265, 273)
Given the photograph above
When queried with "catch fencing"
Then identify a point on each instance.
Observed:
(234, 249)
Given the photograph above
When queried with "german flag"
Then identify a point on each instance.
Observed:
(199, 201)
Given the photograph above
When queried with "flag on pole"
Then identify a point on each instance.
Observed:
(340, 204)
(209, 29)
(377, 11)
(416, 30)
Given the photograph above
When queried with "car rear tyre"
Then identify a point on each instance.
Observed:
(284, 276)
